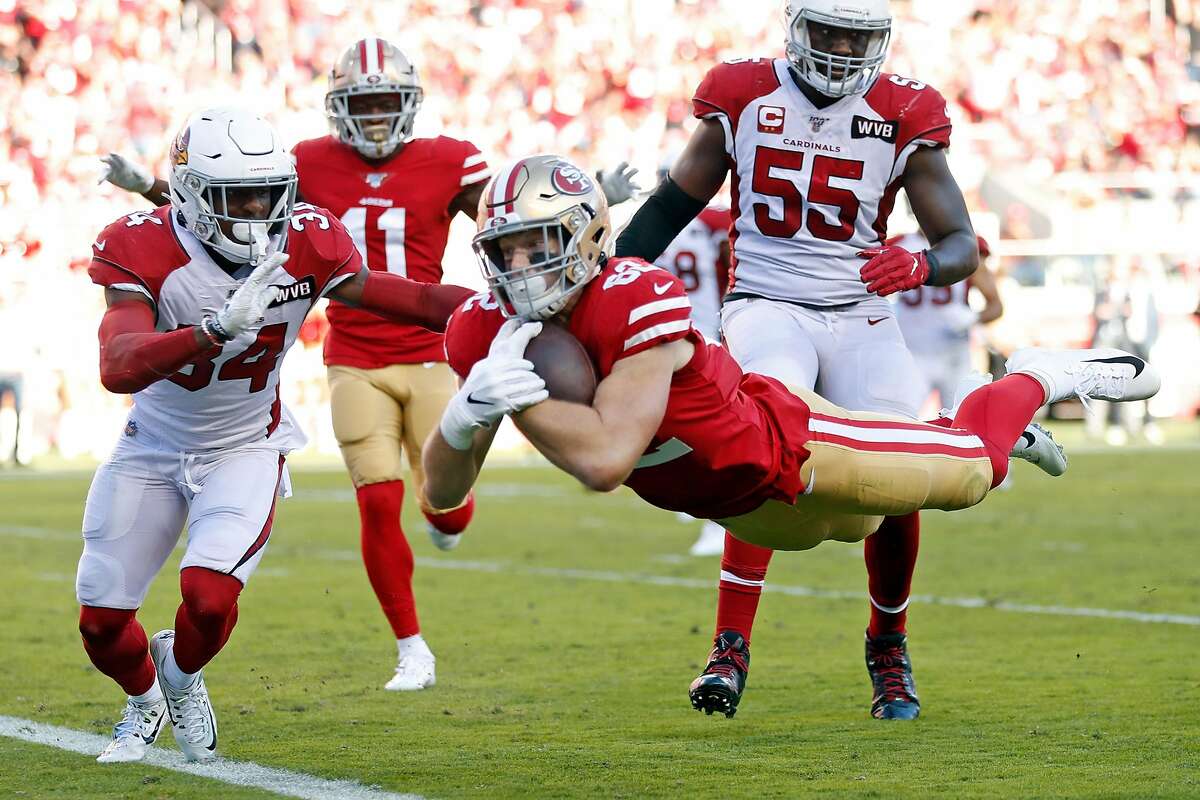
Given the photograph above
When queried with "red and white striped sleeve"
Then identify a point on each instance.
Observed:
(474, 166)
(644, 307)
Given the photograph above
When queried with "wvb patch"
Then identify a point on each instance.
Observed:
(885, 129)
(300, 290)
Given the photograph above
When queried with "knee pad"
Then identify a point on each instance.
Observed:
(99, 626)
(208, 596)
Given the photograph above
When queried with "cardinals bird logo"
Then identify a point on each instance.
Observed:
(179, 148)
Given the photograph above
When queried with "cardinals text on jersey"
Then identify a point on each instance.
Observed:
(813, 186)
(721, 449)
(398, 213)
(228, 396)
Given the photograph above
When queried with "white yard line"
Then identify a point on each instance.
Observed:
(607, 576)
(237, 773)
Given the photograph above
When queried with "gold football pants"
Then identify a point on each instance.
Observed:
(377, 413)
(862, 468)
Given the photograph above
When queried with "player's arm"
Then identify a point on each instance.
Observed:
(600, 444)
(133, 354)
(985, 282)
(449, 472)
(941, 211)
(467, 201)
(133, 177)
(399, 299)
(938, 204)
(500, 383)
(694, 178)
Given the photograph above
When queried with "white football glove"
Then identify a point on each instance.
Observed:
(617, 184)
(245, 308)
(502, 383)
(959, 321)
(125, 174)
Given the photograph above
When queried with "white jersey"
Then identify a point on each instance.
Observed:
(695, 258)
(227, 396)
(813, 186)
(932, 317)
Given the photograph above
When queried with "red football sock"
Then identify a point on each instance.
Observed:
(453, 521)
(891, 556)
(386, 554)
(116, 643)
(743, 573)
(998, 413)
(205, 617)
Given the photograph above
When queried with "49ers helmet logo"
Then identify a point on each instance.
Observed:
(569, 179)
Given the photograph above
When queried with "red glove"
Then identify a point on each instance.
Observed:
(893, 269)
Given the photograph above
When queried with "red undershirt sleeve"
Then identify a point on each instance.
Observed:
(133, 355)
(411, 302)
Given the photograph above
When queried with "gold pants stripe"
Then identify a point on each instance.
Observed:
(850, 487)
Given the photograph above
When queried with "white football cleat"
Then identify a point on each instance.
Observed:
(192, 718)
(1037, 446)
(711, 541)
(1101, 374)
(442, 541)
(132, 736)
(414, 668)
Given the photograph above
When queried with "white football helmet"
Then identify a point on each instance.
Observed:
(373, 66)
(549, 194)
(223, 149)
(869, 21)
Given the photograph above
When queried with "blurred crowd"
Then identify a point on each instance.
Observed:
(1095, 86)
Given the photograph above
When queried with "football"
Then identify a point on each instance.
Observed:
(559, 358)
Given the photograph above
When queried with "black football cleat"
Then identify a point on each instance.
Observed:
(720, 686)
(891, 678)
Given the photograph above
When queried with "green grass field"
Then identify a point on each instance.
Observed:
(553, 683)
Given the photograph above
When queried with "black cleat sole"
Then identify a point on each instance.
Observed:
(711, 699)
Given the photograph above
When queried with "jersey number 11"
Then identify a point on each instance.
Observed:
(386, 235)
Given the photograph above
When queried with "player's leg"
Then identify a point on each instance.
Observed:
(870, 368)
(772, 339)
(229, 523)
(368, 423)
(876, 464)
(132, 520)
(432, 384)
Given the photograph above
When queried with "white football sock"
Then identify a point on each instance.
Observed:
(173, 675)
(412, 645)
(152, 695)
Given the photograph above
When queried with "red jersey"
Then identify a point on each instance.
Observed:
(231, 397)
(695, 256)
(398, 214)
(728, 441)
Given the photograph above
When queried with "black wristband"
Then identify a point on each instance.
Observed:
(656, 224)
(934, 267)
